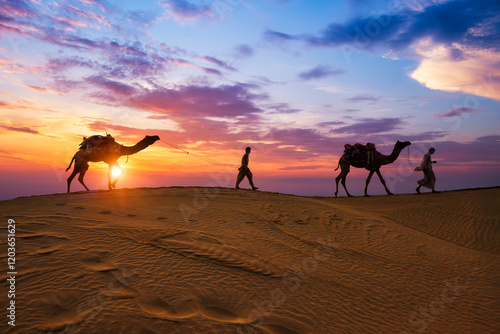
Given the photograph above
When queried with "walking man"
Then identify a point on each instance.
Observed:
(429, 179)
(245, 171)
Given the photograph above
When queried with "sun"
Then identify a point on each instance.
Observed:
(116, 172)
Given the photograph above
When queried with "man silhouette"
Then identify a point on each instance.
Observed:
(245, 171)
(429, 179)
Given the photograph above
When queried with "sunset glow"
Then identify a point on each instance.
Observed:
(210, 77)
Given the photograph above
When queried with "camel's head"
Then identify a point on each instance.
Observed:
(151, 139)
(403, 144)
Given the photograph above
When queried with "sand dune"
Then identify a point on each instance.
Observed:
(213, 260)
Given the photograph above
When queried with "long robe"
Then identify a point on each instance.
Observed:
(429, 179)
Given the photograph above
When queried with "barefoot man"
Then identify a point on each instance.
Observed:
(245, 171)
(429, 179)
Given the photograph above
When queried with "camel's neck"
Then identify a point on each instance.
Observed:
(389, 159)
(129, 150)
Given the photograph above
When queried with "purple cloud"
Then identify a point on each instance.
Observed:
(213, 71)
(15, 8)
(459, 112)
(186, 10)
(278, 38)
(183, 103)
(328, 124)
(319, 72)
(112, 87)
(364, 98)
(20, 129)
(370, 126)
(243, 51)
(490, 139)
(218, 62)
(281, 108)
(57, 65)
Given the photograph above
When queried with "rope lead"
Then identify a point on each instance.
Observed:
(200, 157)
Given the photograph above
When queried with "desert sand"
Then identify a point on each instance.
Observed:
(218, 260)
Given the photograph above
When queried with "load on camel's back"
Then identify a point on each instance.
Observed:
(97, 143)
(103, 148)
(360, 152)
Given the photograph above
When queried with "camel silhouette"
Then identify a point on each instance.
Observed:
(107, 151)
(373, 167)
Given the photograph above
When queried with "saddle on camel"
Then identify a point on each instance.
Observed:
(96, 144)
(360, 152)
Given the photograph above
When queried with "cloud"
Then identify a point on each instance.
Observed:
(364, 98)
(7, 105)
(20, 129)
(278, 38)
(243, 51)
(218, 62)
(457, 42)
(459, 112)
(111, 86)
(182, 103)
(281, 108)
(468, 22)
(15, 8)
(60, 64)
(319, 72)
(184, 10)
(476, 72)
(490, 139)
(370, 126)
(329, 124)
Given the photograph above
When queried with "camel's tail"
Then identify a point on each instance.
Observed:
(338, 164)
(67, 169)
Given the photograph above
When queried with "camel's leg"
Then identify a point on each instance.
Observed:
(118, 177)
(368, 181)
(342, 177)
(343, 184)
(337, 179)
(84, 169)
(110, 170)
(72, 176)
(344, 170)
(383, 182)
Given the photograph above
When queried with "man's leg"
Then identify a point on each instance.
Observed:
(250, 179)
(240, 177)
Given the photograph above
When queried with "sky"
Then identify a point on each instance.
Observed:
(293, 79)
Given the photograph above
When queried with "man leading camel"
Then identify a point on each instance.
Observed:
(429, 180)
(245, 171)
